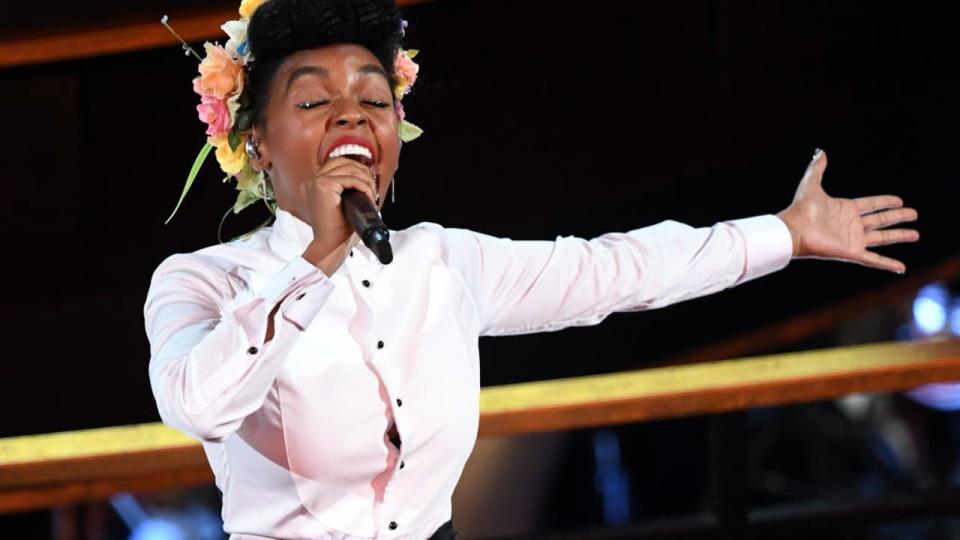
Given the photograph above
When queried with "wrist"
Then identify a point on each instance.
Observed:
(787, 218)
(326, 257)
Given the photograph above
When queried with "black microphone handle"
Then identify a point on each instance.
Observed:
(364, 217)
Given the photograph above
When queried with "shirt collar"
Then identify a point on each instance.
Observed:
(290, 236)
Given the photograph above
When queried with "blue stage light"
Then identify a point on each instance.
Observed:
(610, 479)
(930, 309)
(157, 529)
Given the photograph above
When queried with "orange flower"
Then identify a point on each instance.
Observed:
(220, 75)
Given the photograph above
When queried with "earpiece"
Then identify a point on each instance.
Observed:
(253, 149)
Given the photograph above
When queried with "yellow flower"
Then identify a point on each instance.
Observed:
(247, 7)
(231, 161)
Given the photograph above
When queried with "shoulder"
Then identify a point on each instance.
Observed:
(444, 242)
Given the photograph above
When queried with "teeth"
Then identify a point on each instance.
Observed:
(350, 150)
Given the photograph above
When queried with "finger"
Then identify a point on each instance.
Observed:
(886, 237)
(354, 182)
(353, 168)
(867, 205)
(364, 175)
(816, 168)
(875, 260)
(887, 218)
(344, 163)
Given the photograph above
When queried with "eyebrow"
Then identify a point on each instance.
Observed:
(369, 69)
(373, 69)
(303, 71)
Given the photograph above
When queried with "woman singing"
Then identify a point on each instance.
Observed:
(337, 397)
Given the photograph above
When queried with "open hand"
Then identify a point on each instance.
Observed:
(826, 227)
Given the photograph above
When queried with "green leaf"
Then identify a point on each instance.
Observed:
(409, 131)
(244, 99)
(204, 152)
(244, 119)
(244, 199)
(234, 139)
(411, 53)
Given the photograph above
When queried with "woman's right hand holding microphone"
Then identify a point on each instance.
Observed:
(333, 237)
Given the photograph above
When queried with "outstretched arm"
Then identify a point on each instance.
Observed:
(535, 286)
(523, 286)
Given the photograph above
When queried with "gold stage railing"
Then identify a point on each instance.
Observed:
(58, 469)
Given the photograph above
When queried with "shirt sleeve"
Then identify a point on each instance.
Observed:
(210, 366)
(534, 286)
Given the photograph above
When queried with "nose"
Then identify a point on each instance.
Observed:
(350, 116)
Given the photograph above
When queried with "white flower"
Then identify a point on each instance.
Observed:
(237, 44)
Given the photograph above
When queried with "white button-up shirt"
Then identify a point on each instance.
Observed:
(296, 428)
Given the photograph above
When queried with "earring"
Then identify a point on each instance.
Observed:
(252, 148)
(393, 190)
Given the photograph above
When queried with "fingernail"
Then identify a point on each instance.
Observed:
(816, 153)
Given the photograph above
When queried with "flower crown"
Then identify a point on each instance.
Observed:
(226, 110)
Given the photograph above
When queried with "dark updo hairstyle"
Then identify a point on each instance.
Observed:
(280, 28)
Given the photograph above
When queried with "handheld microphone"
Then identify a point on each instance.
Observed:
(364, 217)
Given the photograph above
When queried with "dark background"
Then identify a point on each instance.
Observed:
(541, 119)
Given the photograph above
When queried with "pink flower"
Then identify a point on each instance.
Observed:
(214, 112)
(399, 108)
(406, 70)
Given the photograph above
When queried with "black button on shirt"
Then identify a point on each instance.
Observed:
(253, 350)
(366, 283)
(401, 464)
(379, 344)
(393, 525)
(300, 297)
(399, 402)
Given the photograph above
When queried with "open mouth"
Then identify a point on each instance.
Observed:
(355, 148)
(353, 151)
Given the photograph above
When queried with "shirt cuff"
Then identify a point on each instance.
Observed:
(769, 245)
(299, 272)
(302, 287)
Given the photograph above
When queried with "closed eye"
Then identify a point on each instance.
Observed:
(376, 103)
(313, 103)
